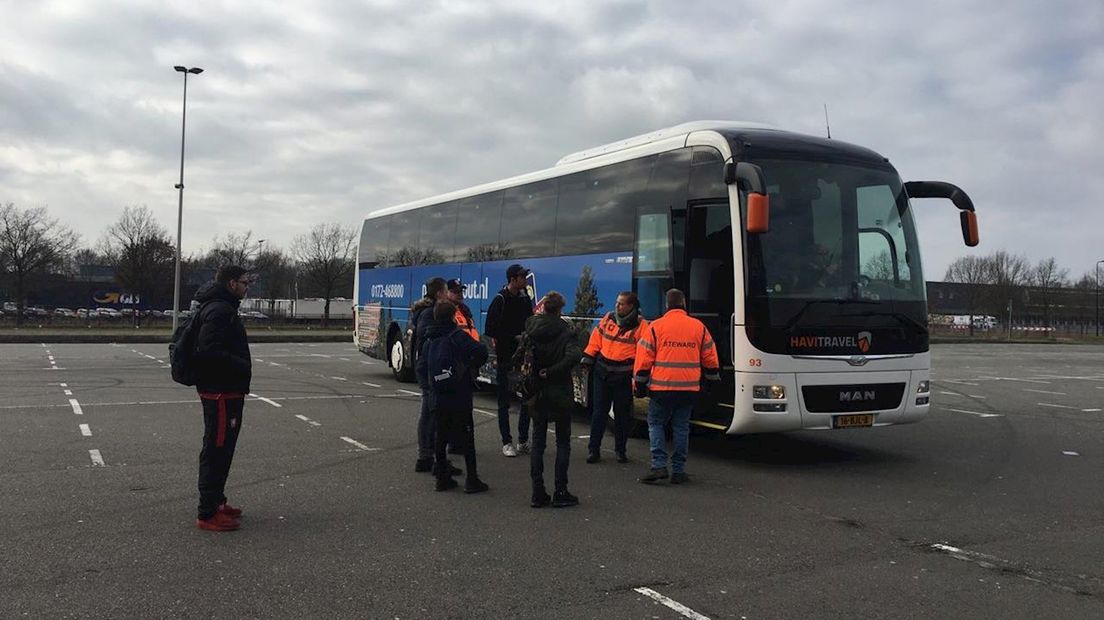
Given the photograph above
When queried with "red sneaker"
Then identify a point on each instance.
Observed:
(219, 522)
(229, 510)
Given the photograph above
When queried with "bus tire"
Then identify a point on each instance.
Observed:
(398, 358)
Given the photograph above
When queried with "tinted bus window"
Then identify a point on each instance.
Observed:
(438, 234)
(478, 220)
(529, 220)
(707, 174)
(373, 243)
(402, 245)
(668, 186)
(595, 209)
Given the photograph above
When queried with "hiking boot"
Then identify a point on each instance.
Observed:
(423, 465)
(594, 457)
(622, 457)
(219, 522)
(475, 485)
(523, 447)
(509, 450)
(540, 499)
(445, 484)
(231, 511)
(563, 499)
(679, 478)
(654, 475)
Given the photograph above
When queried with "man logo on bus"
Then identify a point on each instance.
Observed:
(864, 341)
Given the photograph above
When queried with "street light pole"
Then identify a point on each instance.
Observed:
(1097, 267)
(180, 187)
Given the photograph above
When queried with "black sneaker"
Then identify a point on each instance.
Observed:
(594, 457)
(423, 465)
(540, 499)
(622, 458)
(563, 499)
(679, 478)
(475, 485)
(445, 484)
(654, 475)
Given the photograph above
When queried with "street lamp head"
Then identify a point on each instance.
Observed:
(195, 70)
(180, 69)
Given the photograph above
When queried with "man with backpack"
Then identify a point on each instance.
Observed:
(449, 359)
(506, 318)
(555, 352)
(421, 317)
(223, 369)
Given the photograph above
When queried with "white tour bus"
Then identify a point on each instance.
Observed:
(799, 253)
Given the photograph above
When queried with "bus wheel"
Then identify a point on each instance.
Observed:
(396, 359)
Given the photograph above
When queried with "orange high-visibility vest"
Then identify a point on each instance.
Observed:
(467, 325)
(672, 354)
(617, 348)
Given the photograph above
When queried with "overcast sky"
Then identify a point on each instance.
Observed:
(313, 112)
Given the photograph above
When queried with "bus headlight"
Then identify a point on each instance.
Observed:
(773, 392)
(924, 387)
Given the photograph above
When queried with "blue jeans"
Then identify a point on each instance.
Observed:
(502, 376)
(673, 407)
(616, 389)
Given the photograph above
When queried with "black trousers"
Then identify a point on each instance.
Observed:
(455, 427)
(562, 422)
(222, 418)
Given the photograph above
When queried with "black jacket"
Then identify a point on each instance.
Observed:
(506, 320)
(421, 318)
(222, 349)
(472, 353)
(555, 349)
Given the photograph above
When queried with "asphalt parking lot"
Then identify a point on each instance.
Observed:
(992, 507)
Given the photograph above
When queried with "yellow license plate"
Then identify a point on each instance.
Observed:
(851, 421)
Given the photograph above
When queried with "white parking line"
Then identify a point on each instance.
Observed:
(68, 392)
(375, 385)
(76, 406)
(97, 459)
(1055, 406)
(308, 420)
(962, 382)
(1044, 392)
(408, 392)
(339, 378)
(86, 430)
(359, 445)
(978, 413)
(671, 604)
(266, 400)
(1089, 410)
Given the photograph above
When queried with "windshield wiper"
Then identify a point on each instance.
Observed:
(809, 304)
(900, 316)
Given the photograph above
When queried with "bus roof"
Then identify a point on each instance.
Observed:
(743, 134)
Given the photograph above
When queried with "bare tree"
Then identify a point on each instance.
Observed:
(274, 273)
(1046, 276)
(31, 244)
(141, 252)
(327, 260)
(235, 249)
(1008, 273)
(971, 270)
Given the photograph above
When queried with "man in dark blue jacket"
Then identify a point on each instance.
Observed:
(449, 360)
(506, 318)
(225, 369)
(421, 318)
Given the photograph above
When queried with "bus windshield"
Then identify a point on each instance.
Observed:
(841, 251)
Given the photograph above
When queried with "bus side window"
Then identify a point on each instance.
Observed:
(478, 223)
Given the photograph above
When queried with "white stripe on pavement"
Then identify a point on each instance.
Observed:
(371, 384)
(1044, 392)
(266, 400)
(671, 603)
(408, 392)
(1054, 406)
(359, 445)
(977, 413)
(68, 392)
(308, 420)
(85, 430)
(76, 406)
(97, 459)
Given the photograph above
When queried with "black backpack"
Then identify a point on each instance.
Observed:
(182, 350)
(446, 372)
(524, 381)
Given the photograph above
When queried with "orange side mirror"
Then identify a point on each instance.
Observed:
(758, 213)
(969, 228)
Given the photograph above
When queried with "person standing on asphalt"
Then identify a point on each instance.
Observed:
(671, 356)
(610, 354)
(449, 359)
(506, 318)
(464, 318)
(555, 354)
(421, 317)
(224, 370)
